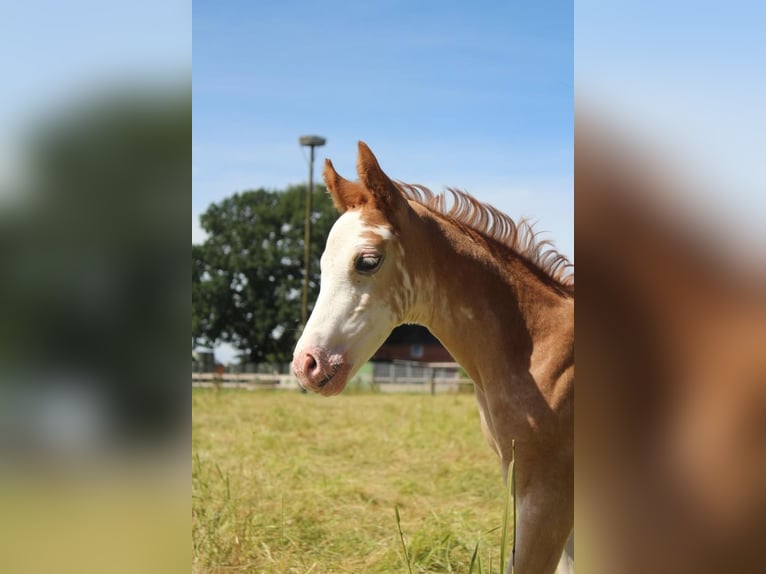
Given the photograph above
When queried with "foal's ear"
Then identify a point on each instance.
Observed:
(345, 194)
(387, 196)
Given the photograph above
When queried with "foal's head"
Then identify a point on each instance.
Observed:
(366, 289)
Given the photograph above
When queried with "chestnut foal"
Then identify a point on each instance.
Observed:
(500, 302)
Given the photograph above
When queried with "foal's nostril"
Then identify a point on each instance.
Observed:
(309, 363)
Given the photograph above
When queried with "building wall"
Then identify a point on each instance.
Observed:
(425, 352)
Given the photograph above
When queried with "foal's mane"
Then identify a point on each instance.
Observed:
(520, 236)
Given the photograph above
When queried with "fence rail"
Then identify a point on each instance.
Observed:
(392, 384)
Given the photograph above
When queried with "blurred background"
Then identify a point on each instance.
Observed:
(95, 141)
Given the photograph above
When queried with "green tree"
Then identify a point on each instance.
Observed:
(248, 274)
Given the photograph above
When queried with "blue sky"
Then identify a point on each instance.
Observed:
(477, 96)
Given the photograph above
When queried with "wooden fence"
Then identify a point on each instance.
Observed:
(257, 381)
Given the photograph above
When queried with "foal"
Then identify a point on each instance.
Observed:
(501, 304)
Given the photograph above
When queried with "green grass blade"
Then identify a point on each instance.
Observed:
(401, 537)
(513, 494)
(510, 498)
(283, 553)
(506, 517)
(473, 558)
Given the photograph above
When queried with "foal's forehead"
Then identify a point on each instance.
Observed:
(354, 228)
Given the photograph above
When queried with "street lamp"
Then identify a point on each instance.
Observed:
(312, 142)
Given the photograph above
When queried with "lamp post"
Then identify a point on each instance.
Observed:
(311, 142)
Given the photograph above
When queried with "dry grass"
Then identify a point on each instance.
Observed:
(284, 482)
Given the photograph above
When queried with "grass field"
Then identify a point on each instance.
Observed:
(285, 482)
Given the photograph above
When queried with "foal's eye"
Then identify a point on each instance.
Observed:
(367, 263)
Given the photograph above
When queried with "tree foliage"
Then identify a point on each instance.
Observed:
(247, 276)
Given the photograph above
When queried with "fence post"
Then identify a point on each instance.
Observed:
(218, 377)
(431, 380)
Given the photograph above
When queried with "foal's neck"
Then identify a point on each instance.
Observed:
(492, 311)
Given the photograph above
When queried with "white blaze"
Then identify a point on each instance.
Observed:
(352, 316)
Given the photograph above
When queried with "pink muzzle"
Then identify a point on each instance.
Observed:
(319, 371)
